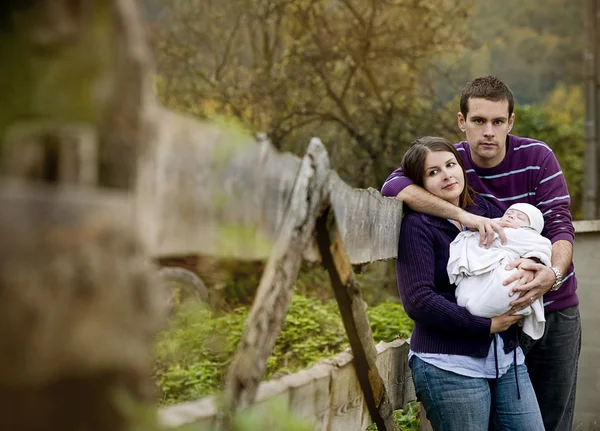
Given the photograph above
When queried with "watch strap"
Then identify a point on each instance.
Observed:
(558, 281)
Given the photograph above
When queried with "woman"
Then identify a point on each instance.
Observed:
(468, 371)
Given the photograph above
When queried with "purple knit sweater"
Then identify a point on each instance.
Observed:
(529, 173)
(441, 326)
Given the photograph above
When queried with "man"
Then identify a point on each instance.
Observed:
(507, 169)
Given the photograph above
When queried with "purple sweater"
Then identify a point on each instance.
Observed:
(441, 326)
(529, 173)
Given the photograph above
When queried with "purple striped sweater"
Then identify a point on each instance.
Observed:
(529, 173)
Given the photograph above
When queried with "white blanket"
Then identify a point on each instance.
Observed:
(479, 272)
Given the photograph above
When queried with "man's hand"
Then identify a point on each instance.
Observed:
(505, 321)
(528, 292)
(486, 227)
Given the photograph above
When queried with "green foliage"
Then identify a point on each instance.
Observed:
(312, 331)
(533, 45)
(194, 353)
(388, 321)
(405, 421)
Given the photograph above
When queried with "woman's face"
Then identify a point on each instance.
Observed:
(443, 176)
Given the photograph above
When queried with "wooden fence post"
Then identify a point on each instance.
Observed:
(276, 285)
(79, 302)
(79, 308)
(353, 311)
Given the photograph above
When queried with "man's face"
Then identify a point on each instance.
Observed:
(486, 126)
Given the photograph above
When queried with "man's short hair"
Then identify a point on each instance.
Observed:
(489, 88)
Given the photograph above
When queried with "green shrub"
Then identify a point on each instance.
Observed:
(194, 353)
(405, 421)
(388, 321)
(312, 331)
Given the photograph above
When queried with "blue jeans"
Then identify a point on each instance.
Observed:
(455, 402)
(552, 364)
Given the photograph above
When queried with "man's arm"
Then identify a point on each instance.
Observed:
(420, 200)
(562, 255)
(552, 198)
(543, 278)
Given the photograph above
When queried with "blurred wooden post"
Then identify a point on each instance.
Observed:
(79, 308)
(276, 285)
(64, 154)
(79, 301)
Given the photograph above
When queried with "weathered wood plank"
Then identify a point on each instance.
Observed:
(353, 311)
(80, 303)
(80, 306)
(209, 190)
(52, 152)
(275, 289)
(312, 394)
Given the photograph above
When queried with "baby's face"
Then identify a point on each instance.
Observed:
(515, 218)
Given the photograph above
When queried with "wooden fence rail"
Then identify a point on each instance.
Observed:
(328, 395)
(207, 190)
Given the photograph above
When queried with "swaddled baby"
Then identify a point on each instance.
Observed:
(479, 272)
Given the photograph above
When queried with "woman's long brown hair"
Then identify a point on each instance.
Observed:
(413, 164)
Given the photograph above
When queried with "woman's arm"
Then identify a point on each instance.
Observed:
(415, 271)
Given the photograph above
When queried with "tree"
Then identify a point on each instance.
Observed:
(533, 45)
(355, 72)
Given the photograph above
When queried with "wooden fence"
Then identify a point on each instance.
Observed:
(327, 396)
(301, 194)
(184, 188)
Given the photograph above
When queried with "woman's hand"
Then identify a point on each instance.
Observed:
(505, 321)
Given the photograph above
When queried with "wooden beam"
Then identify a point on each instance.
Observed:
(276, 285)
(80, 302)
(52, 152)
(239, 188)
(353, 311)
(80, 307)
(326, 396)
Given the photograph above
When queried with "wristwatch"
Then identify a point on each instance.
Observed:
(558, 281)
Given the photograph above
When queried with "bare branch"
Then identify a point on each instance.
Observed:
(228, 44)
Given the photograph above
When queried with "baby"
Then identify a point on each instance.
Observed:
(479, 272)
(523, 215)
